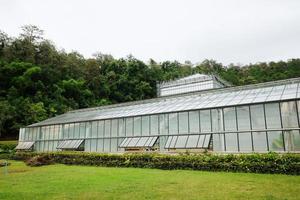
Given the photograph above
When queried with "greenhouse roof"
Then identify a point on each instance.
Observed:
(192, 79)
(214, 98)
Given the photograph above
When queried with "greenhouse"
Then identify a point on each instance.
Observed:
(196, 113)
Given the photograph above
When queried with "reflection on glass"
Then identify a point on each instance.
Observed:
(275, 141)
(289, 114)
(292, 140)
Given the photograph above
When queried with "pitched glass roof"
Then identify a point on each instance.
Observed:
(258, 93)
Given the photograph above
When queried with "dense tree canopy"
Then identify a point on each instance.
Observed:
(38, 81)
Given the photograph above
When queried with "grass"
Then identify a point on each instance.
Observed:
(86, 182)
(9, 142)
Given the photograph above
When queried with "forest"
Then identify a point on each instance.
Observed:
(38, 80)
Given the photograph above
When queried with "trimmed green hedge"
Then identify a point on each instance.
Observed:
(272, 163)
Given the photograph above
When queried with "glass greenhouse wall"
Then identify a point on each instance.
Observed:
(256, 118)
(246, 128)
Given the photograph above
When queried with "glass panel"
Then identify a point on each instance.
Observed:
(76, 131)
(194, 122)
(173, 142)
(82, 130)
(65, 131)
(273, 115)
(100, 145)
(114, 145)
(275, 141)
(173, 123)
(137, 126)
(192, 141)
(259, 141)
(257, 117)
(154, 125)
(231, 142)
(101, 129)
(205, 122)
(201, 141)
(207, 141)
(93, 145)
(230, 119)
(129, 126)
(87, 145)
(106, 145)
(163, 124)
(121, 127)
(162, 142)
(243, 117)
(168, 142)
(114, 128)
(292, 140)
(43, 133)
(183, 122)
(94, 129)
(298, 105)
(217, 120)
(60, 134)
(152, 142)
(142, 142)
(133, 142)
(181, 141)
(107, 128)
(145, 125)
(218, 142)
(245, 142)
(289, 114)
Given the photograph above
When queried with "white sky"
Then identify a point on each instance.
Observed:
(229, 31)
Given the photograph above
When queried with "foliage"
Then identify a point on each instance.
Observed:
(38, 81)
(255, 163)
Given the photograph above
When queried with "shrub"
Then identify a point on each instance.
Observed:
(39, 160)
(7, 148)
(272, 163)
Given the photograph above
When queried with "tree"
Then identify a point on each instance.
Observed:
(6, 113)
(31, 33)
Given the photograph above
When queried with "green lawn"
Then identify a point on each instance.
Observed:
(9, 142)
(85, 182)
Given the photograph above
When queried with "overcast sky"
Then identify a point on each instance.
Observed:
(231, 31)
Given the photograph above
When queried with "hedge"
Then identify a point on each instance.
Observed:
(271, 163)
